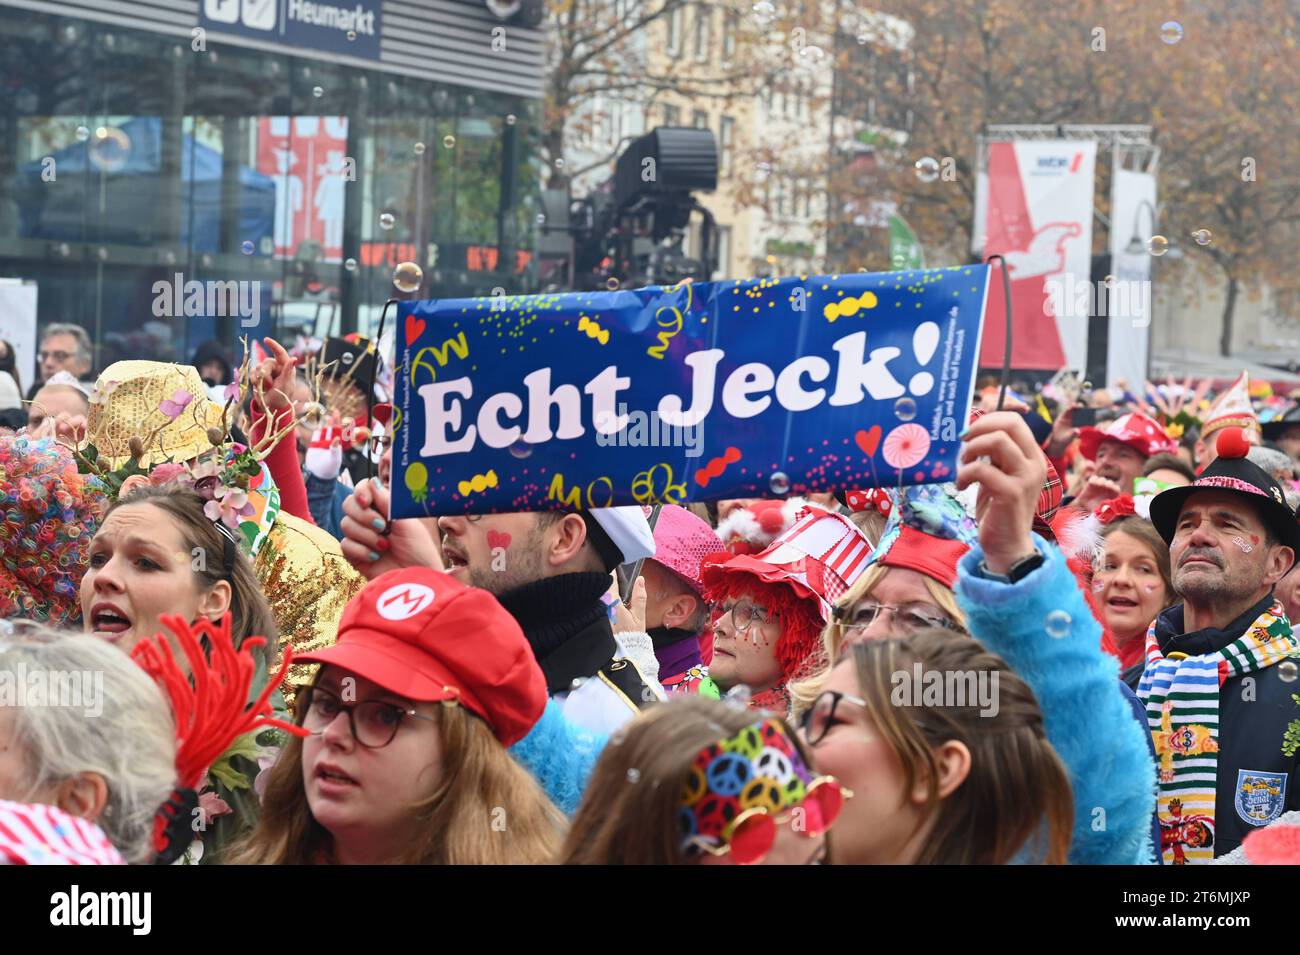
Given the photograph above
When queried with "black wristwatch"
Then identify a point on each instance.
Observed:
(1018, 571)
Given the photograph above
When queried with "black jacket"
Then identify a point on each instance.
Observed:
(1254, 712)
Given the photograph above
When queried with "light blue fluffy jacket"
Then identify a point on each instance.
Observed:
(1085, 714)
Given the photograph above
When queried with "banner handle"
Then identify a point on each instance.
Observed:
(636, 568)
(370, 397)
(1006, 346)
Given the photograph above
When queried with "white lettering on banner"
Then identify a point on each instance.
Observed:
(747, 391)
(360, 20)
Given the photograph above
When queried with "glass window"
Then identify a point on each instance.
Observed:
(726, 135)
(700, 119)
(287, 187)
(703, 24)
(675, 31)
(672, 116)
(730, 23)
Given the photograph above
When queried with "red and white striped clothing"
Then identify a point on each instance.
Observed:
(34, 834)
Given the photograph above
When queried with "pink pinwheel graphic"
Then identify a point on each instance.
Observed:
(906, 445)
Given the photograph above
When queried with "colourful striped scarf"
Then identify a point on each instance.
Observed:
(1181, 694)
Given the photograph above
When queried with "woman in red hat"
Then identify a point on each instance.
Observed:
(409, 720)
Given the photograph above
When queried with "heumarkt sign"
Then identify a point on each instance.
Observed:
(351, 29)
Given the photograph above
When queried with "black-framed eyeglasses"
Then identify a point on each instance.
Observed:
(909, 618)
(374, 723)
(743, 614)
(820, 717)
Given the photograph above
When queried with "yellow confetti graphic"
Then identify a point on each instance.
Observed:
(850, 306)
(593, 330)
(479, 482)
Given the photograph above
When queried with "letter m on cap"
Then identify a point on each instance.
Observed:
(403, 601)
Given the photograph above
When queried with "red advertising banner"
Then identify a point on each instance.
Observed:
(305, 156)
(1039, 218)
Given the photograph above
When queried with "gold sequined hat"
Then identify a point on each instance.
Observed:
(164, 405)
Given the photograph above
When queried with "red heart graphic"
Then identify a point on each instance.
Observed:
(868, 441)
(414, 329)
(497, 539)
(382, 413)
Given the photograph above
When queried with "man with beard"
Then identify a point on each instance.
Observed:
(1121, 450)
(1220, 669)
(549, 569)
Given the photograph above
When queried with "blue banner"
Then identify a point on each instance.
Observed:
(690, 393)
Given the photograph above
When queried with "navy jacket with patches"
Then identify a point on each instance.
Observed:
(1254, 711)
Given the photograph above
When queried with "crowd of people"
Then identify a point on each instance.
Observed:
(1077, 651)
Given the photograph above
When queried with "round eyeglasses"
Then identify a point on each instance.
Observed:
(908, 618)
(374, 723)
(743, 614)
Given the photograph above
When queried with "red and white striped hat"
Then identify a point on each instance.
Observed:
(35, 834)
(799, 576)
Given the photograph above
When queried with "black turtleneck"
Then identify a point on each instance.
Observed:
(566, 624)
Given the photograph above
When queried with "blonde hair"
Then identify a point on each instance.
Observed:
(803, 692)
(629, 811)
(1016, 781)
(130, 742)
(487, 810)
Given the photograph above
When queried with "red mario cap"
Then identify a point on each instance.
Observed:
(422, 634)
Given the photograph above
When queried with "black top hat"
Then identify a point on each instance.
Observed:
(1231, 471)
(1272, 430)
(352, 361)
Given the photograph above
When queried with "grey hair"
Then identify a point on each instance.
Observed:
(1276, 464)
(120, 728)
(85, 350)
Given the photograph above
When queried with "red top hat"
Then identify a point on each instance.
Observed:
(423, 635)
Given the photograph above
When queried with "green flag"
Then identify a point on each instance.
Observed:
(904, 248)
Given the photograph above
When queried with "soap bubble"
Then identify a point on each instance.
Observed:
(763, 169)
(559, 163)
(779, 483)
(905, 408)
(521, 449)
(764, 13)
(927, 169)
(634, 775)
(318, 91)
(1287, 671)
(352, 35)
(1171, 31)
(419, 149)
(510, 119)
(350, 264)
(246, 247)
(612, 283)
(110, 149)
(408, 277)
(1157, 245)
(449, 141)
(386, 221)
(1058, 624)
(1203, 236)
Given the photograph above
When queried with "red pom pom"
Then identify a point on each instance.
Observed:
(1232, 443)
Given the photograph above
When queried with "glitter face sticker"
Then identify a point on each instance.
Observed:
(1246, 546)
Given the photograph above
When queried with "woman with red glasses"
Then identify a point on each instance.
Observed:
(701, 781)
